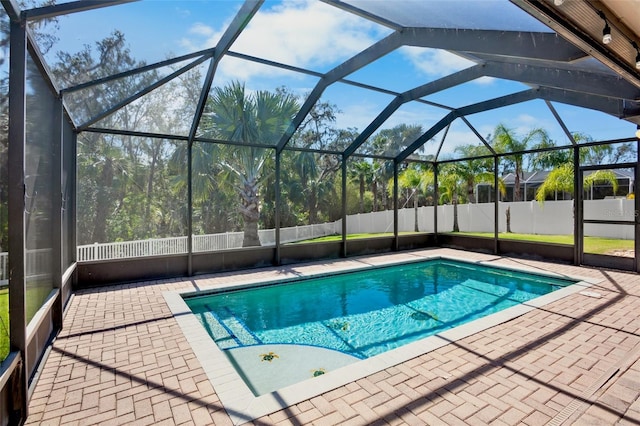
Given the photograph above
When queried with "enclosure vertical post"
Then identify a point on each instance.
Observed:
(56, 212)
(190, 209)
(577, 208)
(396, 243)
(344, 206)
(72, 202)
(277, 207)
(17, 242)
(435, 201)
(496, 206)
(636, 211)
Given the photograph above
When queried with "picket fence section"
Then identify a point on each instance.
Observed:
(201, 243)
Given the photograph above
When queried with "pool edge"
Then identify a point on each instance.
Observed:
(243, 406)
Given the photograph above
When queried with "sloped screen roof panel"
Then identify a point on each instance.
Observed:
(478, 14)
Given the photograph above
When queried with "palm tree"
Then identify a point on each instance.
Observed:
(417, 181)
(454, 182)
(561, 179)
(474, 170)
(450, 186)
(505, 140)
(389, 142)
(361, 172)
(259, 118)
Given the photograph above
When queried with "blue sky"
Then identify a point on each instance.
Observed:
(314, 35)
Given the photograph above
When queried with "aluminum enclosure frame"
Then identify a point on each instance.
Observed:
(497, 54)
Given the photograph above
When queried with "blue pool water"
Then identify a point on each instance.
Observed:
(367, 312)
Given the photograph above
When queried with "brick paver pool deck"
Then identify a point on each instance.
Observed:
(121, 358)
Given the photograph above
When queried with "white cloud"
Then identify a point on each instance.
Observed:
(454, 139)
(526, 120)
(183, 13)
(303, 33)
(357, 115)
(435, 62)
(201, 29)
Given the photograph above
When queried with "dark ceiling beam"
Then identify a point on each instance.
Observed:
(12, 8)
(141, 93)
(240, 21)
(444, 83)
(546, 46)
(629, 110)
(560, 121)
(427, 136)
(583, 64)
(574, 80)
(41, 64)
(619, 108)
(500, 102)
(478, 135)
(377, 50)
(139, 70)
(442, 141)
(67, 8)
(545, 13)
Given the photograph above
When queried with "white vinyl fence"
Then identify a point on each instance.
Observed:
(552, 217)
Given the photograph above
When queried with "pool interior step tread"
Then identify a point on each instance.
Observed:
(231, 332)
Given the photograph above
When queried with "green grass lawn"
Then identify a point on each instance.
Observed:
(36, 295)
(339, 237)
(595, 245)
(350, 237)
(4, 323)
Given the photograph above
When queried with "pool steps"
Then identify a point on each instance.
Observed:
(231, 331)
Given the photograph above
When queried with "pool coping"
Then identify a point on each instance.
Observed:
(243, 406)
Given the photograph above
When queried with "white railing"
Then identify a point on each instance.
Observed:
(213, 242)
(201, 243)
(37, 262)
(4, 268)
(139, 248)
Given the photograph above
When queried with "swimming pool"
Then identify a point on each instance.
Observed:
(358, 314)
(253, 379)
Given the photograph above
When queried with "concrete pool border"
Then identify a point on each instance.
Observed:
(241, 404)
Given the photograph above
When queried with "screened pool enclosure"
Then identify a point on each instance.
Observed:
(143, 140)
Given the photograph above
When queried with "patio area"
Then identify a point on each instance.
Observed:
(121, 358)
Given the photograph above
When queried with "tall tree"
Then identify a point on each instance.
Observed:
(505, 140)
(474, 170)
(249, 118)
(417, 181)
(108, 165)
(316, 171)
(561, 177)
(361, 172)
(451, 186)
(389, 142)
(561, 180)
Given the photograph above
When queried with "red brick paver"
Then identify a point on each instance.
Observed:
(122, 359)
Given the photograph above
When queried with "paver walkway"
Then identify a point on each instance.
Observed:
(122, 359)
